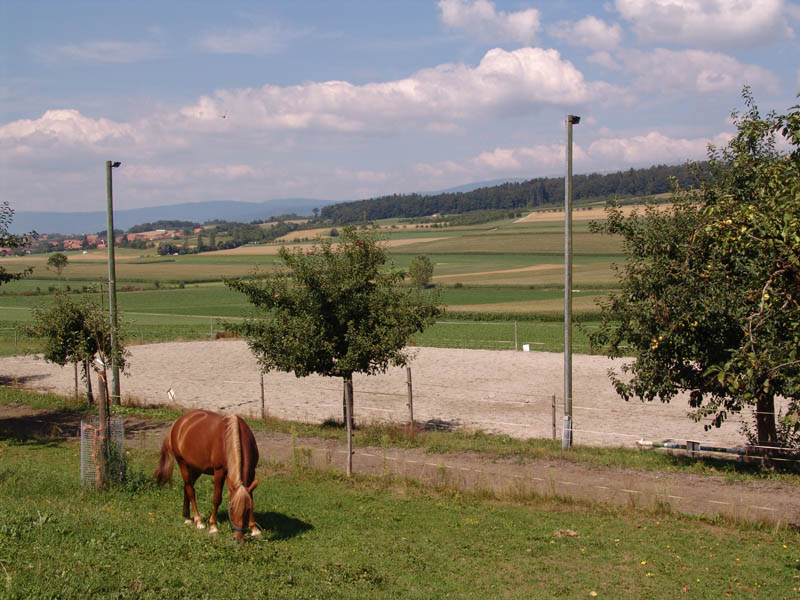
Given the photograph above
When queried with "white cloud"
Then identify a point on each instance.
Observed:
(707, 23)
(264, 40)
(481, 19)
(103, 51)
(231, 172)
(651, 148)
(615, 153)
(590, 31)
(142, 174)
(694, 71)
(524, 80)
(57, 129)
(515, 160)
(605, 60)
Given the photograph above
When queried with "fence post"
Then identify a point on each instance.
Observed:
(516, 345)
(263, 411)
(15, 337)
(211, 335)
(410, 399)
(554, 416)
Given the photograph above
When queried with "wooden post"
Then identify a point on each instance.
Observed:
(102, 431)
(554, 416)
(263, 410)
(89, 393)
(516, 345)
(410, 399)
(76, 378)
(211, 335)
(348, 392)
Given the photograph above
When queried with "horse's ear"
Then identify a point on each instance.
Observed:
(252, 486)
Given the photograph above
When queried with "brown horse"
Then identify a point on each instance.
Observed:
(205, 442)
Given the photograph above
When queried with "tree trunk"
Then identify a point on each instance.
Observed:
(348, 418)
(344, 402)
(765, 421)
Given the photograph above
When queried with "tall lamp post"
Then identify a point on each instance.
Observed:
(112, 286)
(566, 432)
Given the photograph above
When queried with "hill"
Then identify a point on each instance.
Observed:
(513, 195)
(92, 222)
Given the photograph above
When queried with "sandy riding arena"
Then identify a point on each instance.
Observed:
(496, 391)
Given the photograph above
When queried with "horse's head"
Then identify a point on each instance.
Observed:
(241, 509)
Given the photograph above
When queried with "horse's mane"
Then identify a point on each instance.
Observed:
(233, 452)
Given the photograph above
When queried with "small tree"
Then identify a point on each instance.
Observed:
(76, 332)
(8, 240)
(58, 261)
(420, 269)
(710, 291)
(335, 311)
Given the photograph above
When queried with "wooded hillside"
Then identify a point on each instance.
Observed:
(527, 194)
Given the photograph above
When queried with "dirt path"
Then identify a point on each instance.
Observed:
(693, 494)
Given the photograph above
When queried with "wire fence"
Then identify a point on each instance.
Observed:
(517, 413)
(511, 409)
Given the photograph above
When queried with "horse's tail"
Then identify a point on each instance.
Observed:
(163, 473)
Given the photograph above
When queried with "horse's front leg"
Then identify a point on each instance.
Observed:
(219, 481)
(189, 478)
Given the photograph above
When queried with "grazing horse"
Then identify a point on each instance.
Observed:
(205, 442)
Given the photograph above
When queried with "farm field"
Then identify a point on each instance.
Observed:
(505, 268)
(377, 537)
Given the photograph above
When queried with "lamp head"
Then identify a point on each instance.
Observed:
(116, 164)
(573, 119)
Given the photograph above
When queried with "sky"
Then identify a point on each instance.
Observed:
(350, 99)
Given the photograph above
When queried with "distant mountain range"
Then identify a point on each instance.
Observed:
(199, 212)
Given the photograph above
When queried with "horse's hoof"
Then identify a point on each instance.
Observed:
(255, 532)
(201, 526)
(213, 530)
(188, 522)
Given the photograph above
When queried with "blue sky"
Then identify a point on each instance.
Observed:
(344, 100)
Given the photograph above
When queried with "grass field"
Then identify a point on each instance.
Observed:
(377, 537)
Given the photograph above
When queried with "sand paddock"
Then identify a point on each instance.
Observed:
(496, 391)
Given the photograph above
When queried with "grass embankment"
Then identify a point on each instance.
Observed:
(329, 537)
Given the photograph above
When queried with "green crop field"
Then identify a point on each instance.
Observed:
(503, 268)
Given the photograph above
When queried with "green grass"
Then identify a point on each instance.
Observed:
(328, 537)
(499, 335)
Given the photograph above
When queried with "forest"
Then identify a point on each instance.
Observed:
(541, 191)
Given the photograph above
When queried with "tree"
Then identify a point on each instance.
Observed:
(334, 311)
(420, 269)
(8, 240)
(76, 332)
(710, 288)
(58, 261)
(80, 332)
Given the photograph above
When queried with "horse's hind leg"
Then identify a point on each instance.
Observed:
(219, 481)
(189, 478)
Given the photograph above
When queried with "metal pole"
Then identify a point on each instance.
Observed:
(112, 287)
(566, 434)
